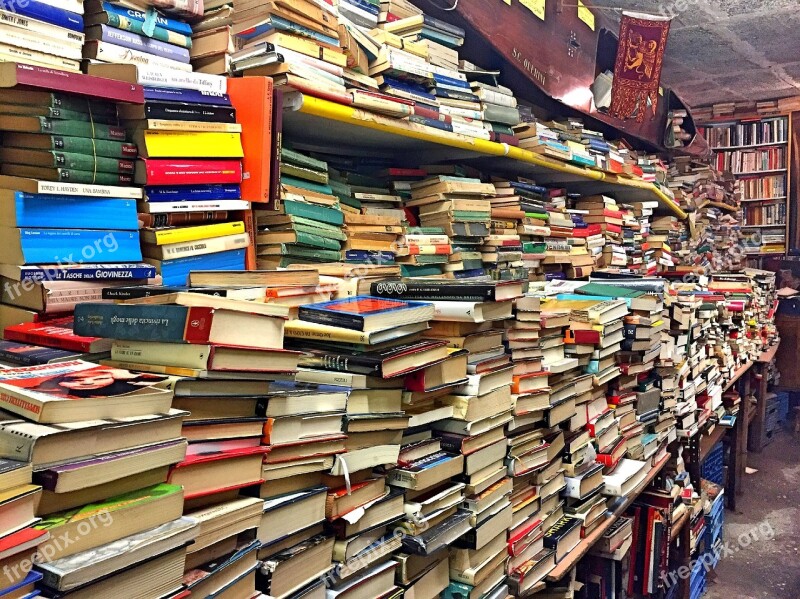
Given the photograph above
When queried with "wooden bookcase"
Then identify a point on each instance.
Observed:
(757, 150)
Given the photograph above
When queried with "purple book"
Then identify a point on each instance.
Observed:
(128, 39)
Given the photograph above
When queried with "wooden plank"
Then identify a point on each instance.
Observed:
(737, 375)
(574, 556)
(768, 355)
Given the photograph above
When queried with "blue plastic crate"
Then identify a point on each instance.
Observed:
(697, 582)
(783, 406)
(713, 467)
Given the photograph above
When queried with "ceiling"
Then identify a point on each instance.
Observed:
(728, 50)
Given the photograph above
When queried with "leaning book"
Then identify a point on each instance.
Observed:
(76, 390)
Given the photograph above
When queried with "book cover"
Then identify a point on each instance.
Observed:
(52, 246)
(355, 312)
(80, 272)
(253, 99)
(67, 212)
(188, 172)
(370, 363)
(56, 333)
(35, 391)
(26, 354)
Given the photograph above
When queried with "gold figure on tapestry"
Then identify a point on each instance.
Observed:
(641, 56)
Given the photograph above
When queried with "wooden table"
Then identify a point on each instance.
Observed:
(758, 435)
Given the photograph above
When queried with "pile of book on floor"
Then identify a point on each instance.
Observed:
(44, 34)
(69, 233)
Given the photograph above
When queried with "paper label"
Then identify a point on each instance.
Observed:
(585, 15)
(535, 6)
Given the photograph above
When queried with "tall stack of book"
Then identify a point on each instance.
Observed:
(559, 251)
(306, 226)
(457, 206)
(44, 34)
(118, 33)
(226, 449)
(69, 231)
(605, 212)
(100, 442)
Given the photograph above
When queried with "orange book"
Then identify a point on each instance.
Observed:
(252, 97)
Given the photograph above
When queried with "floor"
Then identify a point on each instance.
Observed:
(762, 557)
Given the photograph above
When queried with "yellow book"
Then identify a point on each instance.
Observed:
(183, 234)
(300, 329)
(188, 144)
(305, 46)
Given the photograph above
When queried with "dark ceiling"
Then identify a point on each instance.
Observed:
(728, 50)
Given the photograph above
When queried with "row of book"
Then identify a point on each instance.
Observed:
(766, 131)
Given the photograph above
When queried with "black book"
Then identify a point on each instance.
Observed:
(440, 535)
(141, 291)
(448, 291)
(384, 363)
(180, 111)
(563, 537)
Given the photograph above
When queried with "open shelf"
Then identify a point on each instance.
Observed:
(750, 146)
(565, 565)
(313, 122)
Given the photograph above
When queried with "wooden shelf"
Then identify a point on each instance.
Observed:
(780, 226)
(750, 146)
(315, 123)
(707, 442)
(769, 354)
(775, 199)
(737, 375)
(773, 171)
(574, 556)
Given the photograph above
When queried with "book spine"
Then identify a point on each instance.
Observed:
(159, 77)
(168, 193)
(88, 177)
(72, 189)
(57, 337)
(182, 112)
(39, 43)
(181, 235)
(189, 218)
(161, 21)
(135, 41)
(275, 150)
(115, 54)
(39, 28)
(18, 54)
(349, 321)
(81, 129)
(169, 324)
(155, 208)
(158, 33)
(90, 163)
(193, 172)
(50, 14)
(186, 96)
(127, 272)
(206, 246)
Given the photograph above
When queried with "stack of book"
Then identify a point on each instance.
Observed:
(44, 34)
(226, 449)
(118, 33)
(306, 226)
(558, 258)
(100, 442)
(458, 208)
(605, 212)
(68, 237)
(190, 145)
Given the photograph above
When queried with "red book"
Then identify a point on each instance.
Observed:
(429, 113)
(415, 250)
(22, 540)
(56, 333)
(188, 172)
(580, 337)
(503, 138)
(589, 231)
(201, 476)
(47, 79)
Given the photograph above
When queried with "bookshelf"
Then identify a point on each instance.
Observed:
(756, 150)
(317, 122)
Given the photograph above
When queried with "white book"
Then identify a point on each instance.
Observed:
(114, 54)
(628, 475)
(16, 54)
(211, 205)
(41, 28)
(15, 36)
(74, 189)
(75, 6)
(204, 246)
(154, 76)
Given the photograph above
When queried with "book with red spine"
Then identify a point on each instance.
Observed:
(430, 113)
(57, 333)
(188, 172)
(44, 78)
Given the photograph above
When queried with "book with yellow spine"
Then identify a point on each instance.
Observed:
(182, 234)
(188, 144)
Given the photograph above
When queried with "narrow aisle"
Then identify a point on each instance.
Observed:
(762, 558)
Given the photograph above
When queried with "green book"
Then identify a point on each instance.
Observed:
(532, 247)
(74, 145)
(320, 231)
(64, 175)
(299, 251)
(412, 270)
(310, 239)
(34, 124)
(308, 185)
(66, 160)
(54, 112)
(313, 212)
(601, 290)
(349, 201)
(24, 97)
(470, 217)
(296, 158)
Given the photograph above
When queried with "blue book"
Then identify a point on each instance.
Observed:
(176, 272)
(32, 578)
(26, 354)
(192, 193)
(149, 17)
(435, 123)
(86, 272)
(79, 212)
(166, 324)
(48, 14)
(189, 96)
(369, 256)
(418, 91)
(364, 5)
(451, 81)
(366, 313)
(71, 246)
(128, 39)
